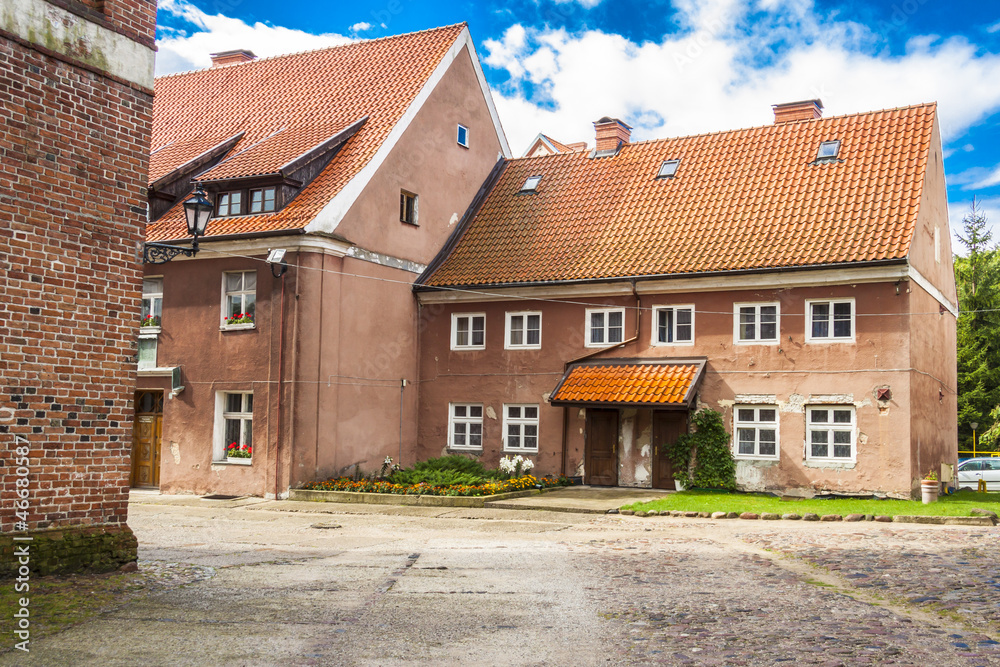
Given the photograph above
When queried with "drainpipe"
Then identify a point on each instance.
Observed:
(565, 434)
(281, 389)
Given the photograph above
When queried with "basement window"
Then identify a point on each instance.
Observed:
(828, 150)
(531, 184)
(668, 169)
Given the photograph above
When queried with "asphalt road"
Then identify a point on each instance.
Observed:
(314, 584)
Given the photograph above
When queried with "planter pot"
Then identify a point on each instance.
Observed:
(678, 485)
(929, 489)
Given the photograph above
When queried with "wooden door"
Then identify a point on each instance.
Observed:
(146, 432)
(602, 447)
(667, 427)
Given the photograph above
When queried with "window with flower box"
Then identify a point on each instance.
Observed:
(234, 427)
(520, 428)
(239, 305)
(465, 426)
(152, 302)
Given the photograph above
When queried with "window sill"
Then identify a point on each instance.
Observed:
(233, 462)
(522, 452)
(835, 464)
(523, 347)
(156, 371)
(468, 348)
(238, 327)
(149, 331)
(755, 342)
(683, 343)
(756, 459)
(473, 450)
(821, 341)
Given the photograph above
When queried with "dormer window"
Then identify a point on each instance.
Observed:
(229, 203)
(531, 184)
(262, 200)
(828, 150)
(668, 169)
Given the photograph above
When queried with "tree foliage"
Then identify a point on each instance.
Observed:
(703, 458)
(978, 279)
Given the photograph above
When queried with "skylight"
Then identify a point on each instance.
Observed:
(668, 168)
(828, 150)
(531, 184)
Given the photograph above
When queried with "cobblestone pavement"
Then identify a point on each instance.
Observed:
(315, 584)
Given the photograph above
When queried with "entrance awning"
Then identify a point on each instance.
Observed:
(669, 384)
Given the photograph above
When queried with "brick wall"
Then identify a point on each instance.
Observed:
(74, 148)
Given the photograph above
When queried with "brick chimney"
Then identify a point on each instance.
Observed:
(611, 135)
(793, 111)
(232, 57)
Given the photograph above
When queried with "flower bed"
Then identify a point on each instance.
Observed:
(490, 488)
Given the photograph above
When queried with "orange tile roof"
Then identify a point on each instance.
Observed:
(634, 383)
(286, 105)
(743, 199)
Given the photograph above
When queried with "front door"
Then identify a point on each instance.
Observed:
(602, 447)
(667, 427)
(146, 439)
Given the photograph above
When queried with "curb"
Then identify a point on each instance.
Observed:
(750, 516)
(398, 499)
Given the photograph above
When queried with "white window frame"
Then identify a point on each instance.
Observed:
(155, 299)
(606, 328)
(152, 341)
(831, 428)
(219, 436)
(458, 136)
(520, 422)
(455, 317)
(242, 293)
(655, 334)
(466, 420)
(757, 425)
(509, 331)
(756, 305)
(810, 338)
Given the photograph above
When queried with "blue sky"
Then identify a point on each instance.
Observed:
(669, 68)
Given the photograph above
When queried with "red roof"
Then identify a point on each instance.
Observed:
(743, 199)
(663, 385)
(286, 106)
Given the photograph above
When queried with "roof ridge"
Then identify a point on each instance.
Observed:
(350, 42)
(743, 129)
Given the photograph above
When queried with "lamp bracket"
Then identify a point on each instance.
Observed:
(161, 253)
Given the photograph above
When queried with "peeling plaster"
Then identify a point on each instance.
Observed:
(490, 412)
(175, 452)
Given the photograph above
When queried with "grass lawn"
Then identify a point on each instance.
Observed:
(957, 504)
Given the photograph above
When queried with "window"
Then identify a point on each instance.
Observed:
(668, 169)
(468, 332)
(230, 203)
(520, 428)
(755, 430)
(605, 326)
(407, 207)
(756, 322)
(463, 136)
(673, 325)
(830, 433)
(465, 426)
(262, 200)
(531, 184)
(236, 443)
(524, 331)
(147, 351)
(152, 302)
(828, 150)
(240, 300)
(830, 320)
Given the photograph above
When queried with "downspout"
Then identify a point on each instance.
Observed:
(281, 390)
(565, 434)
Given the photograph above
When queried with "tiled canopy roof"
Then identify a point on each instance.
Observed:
(287, 105)
(744, 199)
(662, 385)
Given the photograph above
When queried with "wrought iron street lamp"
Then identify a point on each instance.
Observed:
(198, 210)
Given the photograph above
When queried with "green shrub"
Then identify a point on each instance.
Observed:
(703, 458)
(454, 462)
(435, 477)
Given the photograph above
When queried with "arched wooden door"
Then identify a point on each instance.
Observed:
(146, 432)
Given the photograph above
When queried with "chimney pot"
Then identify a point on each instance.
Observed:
(611, 135)
(790, 112)
(232, 57)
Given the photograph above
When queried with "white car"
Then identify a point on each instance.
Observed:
(973, 470)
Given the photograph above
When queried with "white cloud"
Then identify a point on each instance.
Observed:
(180, 50)
(994, 28)
(363, 26)
(586, 4)
(724, 71)
(989, 181)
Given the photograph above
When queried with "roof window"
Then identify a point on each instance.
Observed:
(828, 150)
(531, 184)
(668, 169)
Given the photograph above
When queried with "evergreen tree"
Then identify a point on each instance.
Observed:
(978, 328)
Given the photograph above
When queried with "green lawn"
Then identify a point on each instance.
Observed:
(957, 504)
